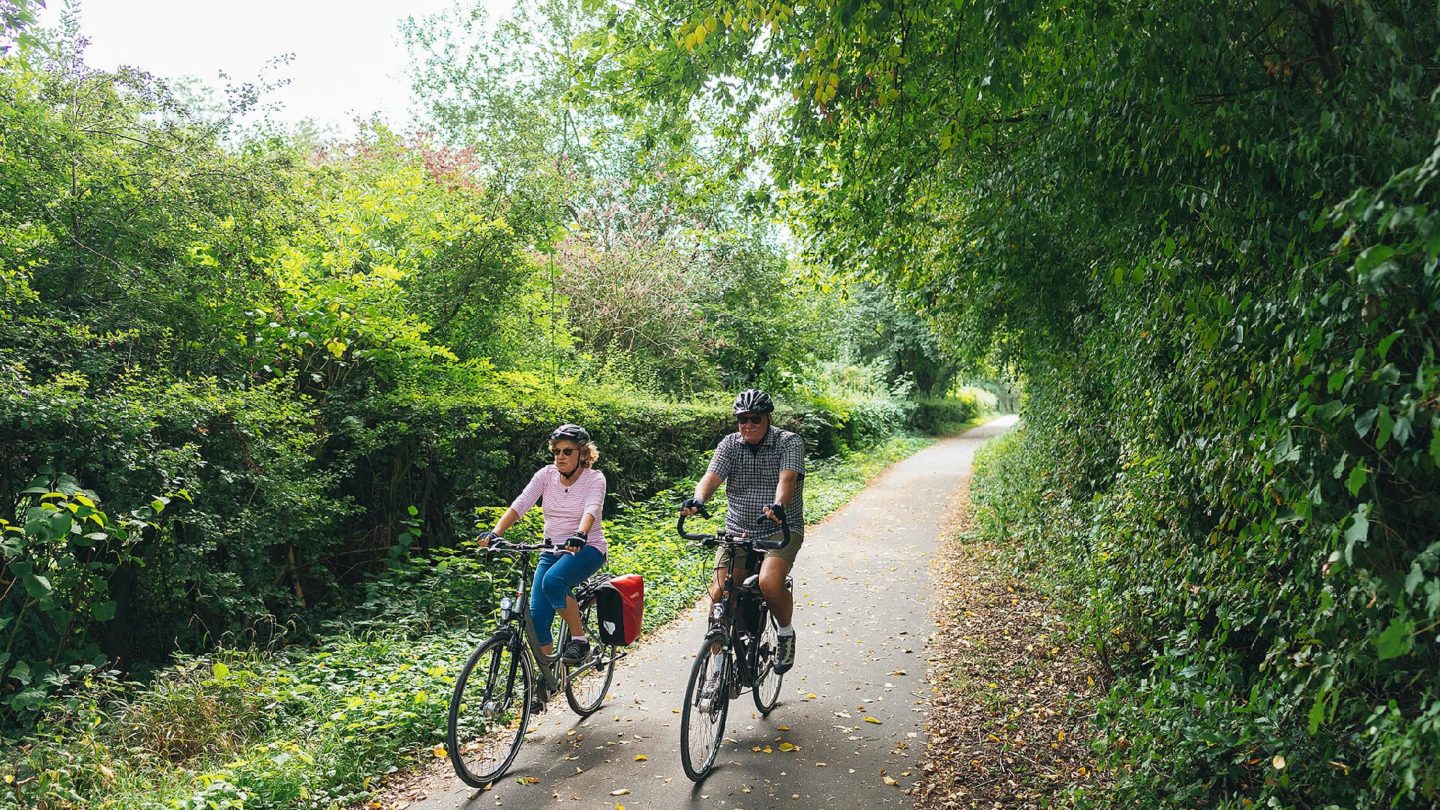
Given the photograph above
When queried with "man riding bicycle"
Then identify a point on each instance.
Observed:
(763, 468)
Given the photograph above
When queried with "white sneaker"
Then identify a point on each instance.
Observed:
(784, 652)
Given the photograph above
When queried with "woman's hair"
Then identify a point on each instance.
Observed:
(589, 451)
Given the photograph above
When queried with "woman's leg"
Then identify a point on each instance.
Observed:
(569, 571)
(542, 612)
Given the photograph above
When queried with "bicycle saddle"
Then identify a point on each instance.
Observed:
(752, 583)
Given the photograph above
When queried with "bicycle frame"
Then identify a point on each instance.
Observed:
(552, 672)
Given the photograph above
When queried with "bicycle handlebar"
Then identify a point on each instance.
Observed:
(740, 539)
(501, 545)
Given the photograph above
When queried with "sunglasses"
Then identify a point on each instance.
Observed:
(562, 451)
(750, 418)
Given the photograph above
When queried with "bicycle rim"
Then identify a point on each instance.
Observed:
(767, 680)
(590, 679)
(702, 731)
(490, 711)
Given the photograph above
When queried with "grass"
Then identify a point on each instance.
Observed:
(316, 727)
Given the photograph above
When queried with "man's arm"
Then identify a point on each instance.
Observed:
(704, 488)
(784, 490)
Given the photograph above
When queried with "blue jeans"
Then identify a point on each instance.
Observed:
(555, 575)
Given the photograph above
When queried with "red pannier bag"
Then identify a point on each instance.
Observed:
(620, 607)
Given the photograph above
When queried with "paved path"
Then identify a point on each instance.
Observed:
(862, 612)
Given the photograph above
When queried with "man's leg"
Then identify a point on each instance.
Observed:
(780, 600)
(772, 586)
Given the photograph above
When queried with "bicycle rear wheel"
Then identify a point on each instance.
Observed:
(590, 679)
(490, 710)
(767, 680)
(702, 719)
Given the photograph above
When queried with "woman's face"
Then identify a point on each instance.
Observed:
(566, 454)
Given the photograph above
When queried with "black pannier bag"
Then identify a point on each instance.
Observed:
(620, 607)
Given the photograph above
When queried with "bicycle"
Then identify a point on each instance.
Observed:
(497, 690)
(741, 639)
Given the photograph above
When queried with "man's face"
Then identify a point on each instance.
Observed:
(753, 426)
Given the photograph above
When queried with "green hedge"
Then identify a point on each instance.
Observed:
(295, 501)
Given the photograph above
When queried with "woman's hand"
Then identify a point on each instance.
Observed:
(576, 541)
(486, 538)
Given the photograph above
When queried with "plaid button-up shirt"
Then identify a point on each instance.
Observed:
(751, 472)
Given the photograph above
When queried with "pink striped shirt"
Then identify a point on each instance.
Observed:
(564, 506)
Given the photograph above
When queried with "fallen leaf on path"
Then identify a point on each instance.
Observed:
(785, 746)
(528, 780)
(870, 719)
(891, 781)
(641, 758)
(620, 792)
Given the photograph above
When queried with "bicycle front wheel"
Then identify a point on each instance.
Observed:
(590, 678)
(490, 710)
(767, 680)
(702, 720)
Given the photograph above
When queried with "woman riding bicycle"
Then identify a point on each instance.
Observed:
(571, 495)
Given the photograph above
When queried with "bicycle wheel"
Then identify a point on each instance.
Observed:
(702, 728)
(590, 679)
(767, 680)
(490, 710)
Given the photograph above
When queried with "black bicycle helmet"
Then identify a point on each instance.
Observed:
(574, 433)
(753, 400)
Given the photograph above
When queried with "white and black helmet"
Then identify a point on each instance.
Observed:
(574, 433)
(753, 400)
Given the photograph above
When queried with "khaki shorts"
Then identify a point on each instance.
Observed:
(788, 553)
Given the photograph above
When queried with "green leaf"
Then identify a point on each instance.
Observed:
(60, 524)
(36, 586)
(1316, 715)
(1414, 578)
(1358, 532)
(1357, 478)
(1364, 421)
(1387, 426)
(221, 671)
(1396, 639)
(21, 672)
(1402, 429)
(104, 611)
(1385, 343)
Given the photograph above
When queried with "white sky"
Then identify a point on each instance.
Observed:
(348, 60)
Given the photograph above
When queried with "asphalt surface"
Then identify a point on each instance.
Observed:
(863, 599)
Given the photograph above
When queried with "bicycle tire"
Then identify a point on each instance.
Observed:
(708, 727)
(485, 732)
(590, 680)
(767, 681)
